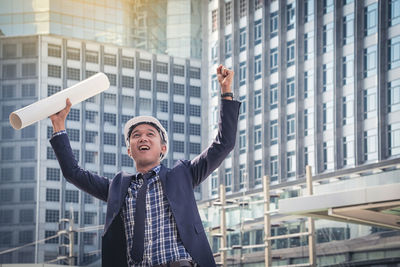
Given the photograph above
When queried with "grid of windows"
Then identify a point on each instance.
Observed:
(27, 152)
(110, 59)
(74, 115)
(26, 216)
(6, 216)
(194, 148)
(194, 129)
(214, 22)
(257, 67)
(73, 53)
(242, 8)
(348, 29)
(394, 52)
(126, 161)
(242, 39)
(48, 234)
(52, 215)
(257, 136)
(179, 127)
(10, 71)
(179, 70)
(290, 90)
(394, 95)
(273, 60)
(194, 110)
(273, 100)
(110, 118)
(73, 134)
(145, 104)
(92, 56)
(228, 45)
(50, 153)
(370, 19)
(91, 116)
(52, 174)
(179, 146)
(52, 194)
(394, 12)
(72, 196)
(161, 67)
(179, 89)
(128, 82)
(73, 74)
(109, 159)
(290, 16)
(327, 38)
(54, 50)
(228, 13)
(89, 217)
(28, 69)
(88, 199)
(90, 156)
(52, 71)
(145, 84)
(179, 108)
(7, 174)
(28, 90)
(162, 87)
(194, 73)
(112, 78)
(90, 136)
(194, 91)
(110, 139)
(28, 132)
(26, 194)
(290, 127)
(128, 62)
(144, 65)
(274, 132)
(308, 10)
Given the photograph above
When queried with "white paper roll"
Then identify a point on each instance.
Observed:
(48, 106)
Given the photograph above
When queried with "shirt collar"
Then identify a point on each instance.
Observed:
(155, 170)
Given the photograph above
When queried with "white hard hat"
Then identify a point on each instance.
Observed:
(147, 120)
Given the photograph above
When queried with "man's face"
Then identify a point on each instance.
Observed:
(145, 145)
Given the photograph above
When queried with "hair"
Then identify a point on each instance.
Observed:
(162, 137)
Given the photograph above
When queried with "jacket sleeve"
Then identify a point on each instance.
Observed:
(91, 183)
(210, 159)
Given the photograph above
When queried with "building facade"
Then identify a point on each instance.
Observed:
(319, 83)
(161, 27)
(34, 195)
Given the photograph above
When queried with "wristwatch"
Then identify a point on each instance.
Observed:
(227, 94)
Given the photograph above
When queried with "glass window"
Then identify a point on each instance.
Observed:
(394, 52)
(179, 89)
(128, 82)
(257, 32)
(90, 156)
(162, 87)
(242, 8)
(370, 19)
(28, 69)
(9, 51)
(26, 216)
(27, 152)
(110, 139)
(328, 6)
(228, 45)
(306, 123)
(92, 56)
(348, 69)
(109, 159)
(290, 53)
(308, 83)
(394, 12)
(242, 39)
(258, 4)
(194, 110)
(228, 180)
(347, 110)
(73, 74)
(274, 168)
(7, 174)
(257, 67)
(309, 45)
(242, 176)
(194, 129)
(327, 77)
(72, 196)
(370, 145)
(145, 84)
(52, 71)
(26, 194)
(394, 139)
(228, 13)
(242, 110)
(348, 29)
(54, 50)
(144, 65)
(73, 53)
(162, 106)
(10, 71)
(394, 95)
(25, 237)
(290, 90)
(110, 59)
(128, 62)
(257, 136)
(242, 73)
(274, 132)
(327, 116)
(179, 70)
(52, 240)
(327, 38)
(179, 127)
(242, 141)
(194, 91)
(112, 78)
(290, 16)
(179, 108)
(7, 132)
(52, 174)
(28, 90)
(370, 59)
(74, 115)
(110, 118)
(89, 217)
(273, 60)
(52, 195)
(257, 172)
(194, 73)
(273, 100)
(178, 146)
(274, 24)
(194, 148)
(291, 163)
(308, 10)
(214, 22)
(257, 102)
(369, 103)
(290, 127)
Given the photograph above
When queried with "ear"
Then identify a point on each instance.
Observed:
(129, 152)
(163, 149)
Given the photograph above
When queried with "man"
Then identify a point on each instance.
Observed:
(152, 217)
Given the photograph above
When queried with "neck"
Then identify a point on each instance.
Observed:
(146, 168)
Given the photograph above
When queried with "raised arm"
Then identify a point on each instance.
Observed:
(210, 159)
(89, 182)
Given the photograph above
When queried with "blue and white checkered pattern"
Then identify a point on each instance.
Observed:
(162, 243)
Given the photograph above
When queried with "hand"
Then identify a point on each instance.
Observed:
(225, 77)
(58, 119)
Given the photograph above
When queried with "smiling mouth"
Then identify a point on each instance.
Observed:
(144, 148)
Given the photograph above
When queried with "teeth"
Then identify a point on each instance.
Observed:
(144, 148)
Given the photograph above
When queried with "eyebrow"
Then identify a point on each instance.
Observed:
(149, 129)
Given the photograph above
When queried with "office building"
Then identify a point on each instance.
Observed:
(34, 196)
(161, 26)
(319, 83)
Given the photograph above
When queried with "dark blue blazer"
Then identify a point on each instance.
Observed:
(177, 184)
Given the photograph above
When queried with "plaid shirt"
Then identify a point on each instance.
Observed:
(162, 243)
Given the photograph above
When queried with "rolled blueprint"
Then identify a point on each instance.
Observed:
(48, 106)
